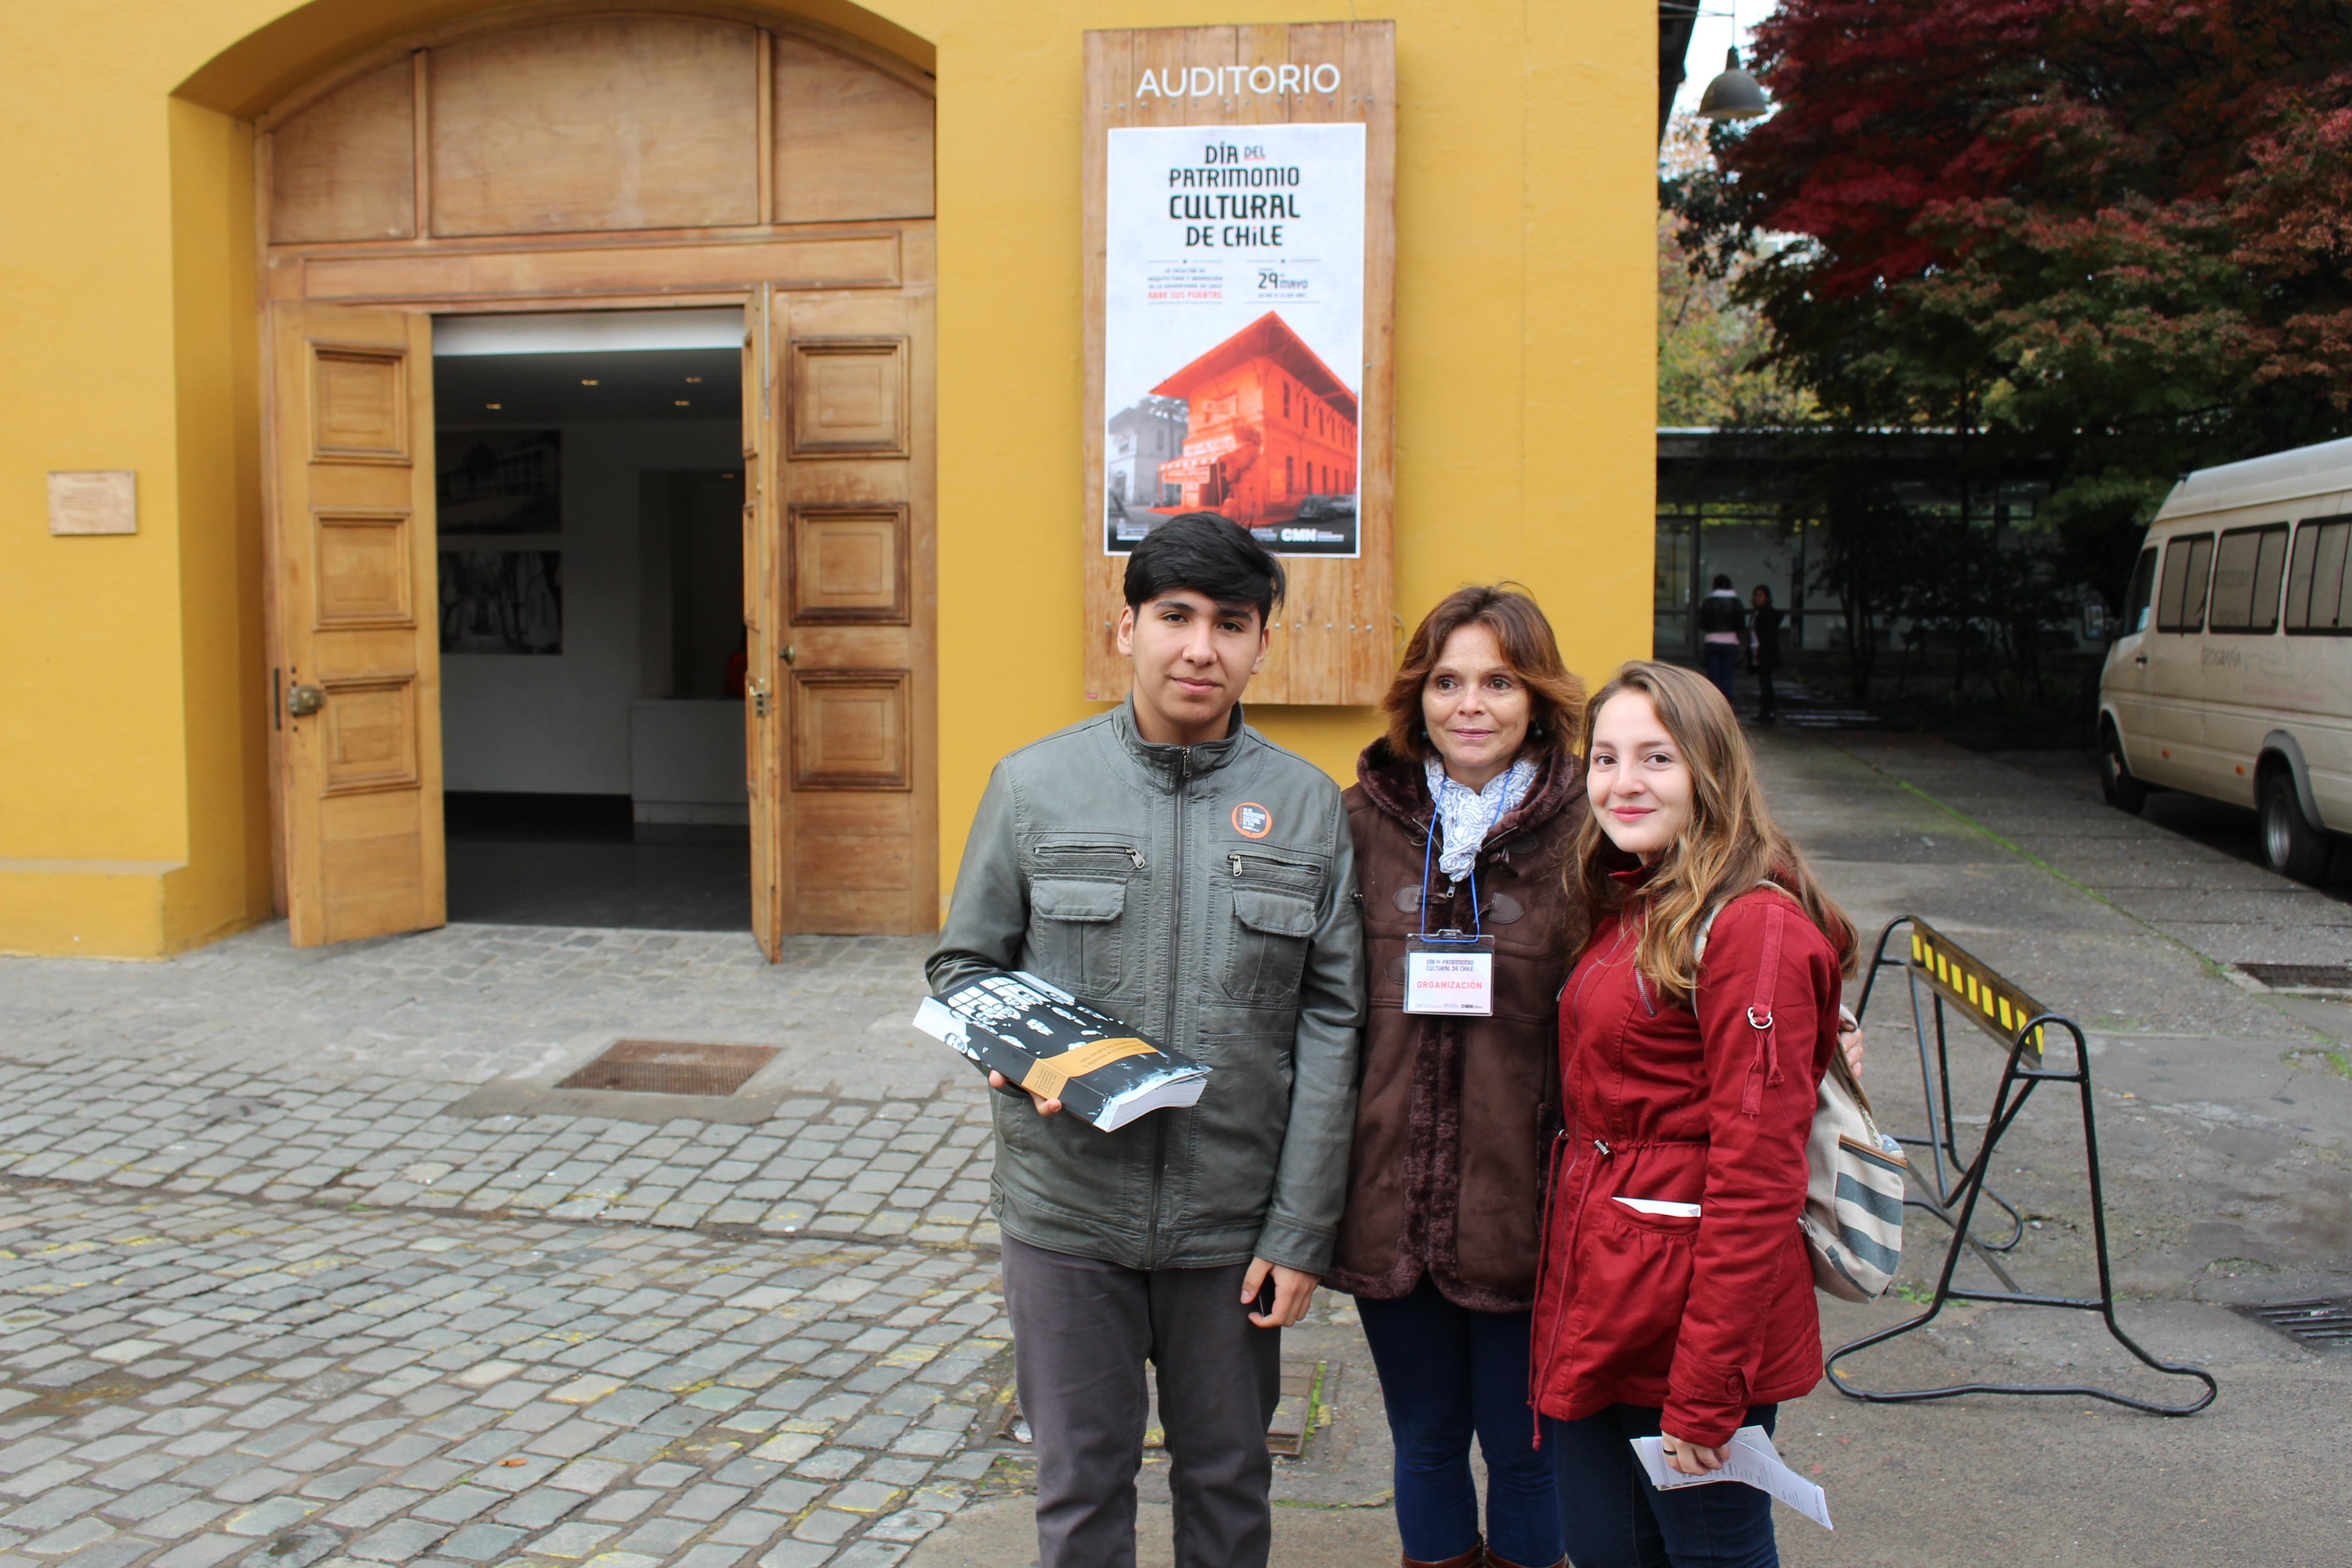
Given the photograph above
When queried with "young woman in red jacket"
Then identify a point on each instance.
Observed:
(1675, 1297)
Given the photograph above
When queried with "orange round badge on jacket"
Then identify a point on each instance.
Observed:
(1252, 820)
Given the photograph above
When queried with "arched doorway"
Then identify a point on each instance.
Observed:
(575, 171)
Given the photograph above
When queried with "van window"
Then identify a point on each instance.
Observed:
(2180, 602)
(2246, 579)
(2317, 600)
(2143, 587)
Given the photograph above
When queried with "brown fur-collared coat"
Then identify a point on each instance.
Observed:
(1454, 1115)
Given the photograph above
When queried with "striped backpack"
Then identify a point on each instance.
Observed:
(1852, 1221)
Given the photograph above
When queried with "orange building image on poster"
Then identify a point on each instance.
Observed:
(1270, 433)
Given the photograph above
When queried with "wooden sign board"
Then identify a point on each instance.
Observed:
(1333, 640)
(94, 500)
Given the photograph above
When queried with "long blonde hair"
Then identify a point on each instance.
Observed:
(1729, 844)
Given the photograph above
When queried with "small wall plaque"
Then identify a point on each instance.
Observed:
(94, 500)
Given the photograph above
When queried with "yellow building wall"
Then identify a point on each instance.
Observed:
(133, 702)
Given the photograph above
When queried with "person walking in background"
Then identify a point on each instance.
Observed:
(1764, 650)
(1460, 815)
(1180, 871)
(1676, 1298)
(1722, 627)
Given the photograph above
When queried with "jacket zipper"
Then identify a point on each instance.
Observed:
(1175, 966)
(1132, 853)
(1235, 860)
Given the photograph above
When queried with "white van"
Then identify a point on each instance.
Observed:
(2234, 676)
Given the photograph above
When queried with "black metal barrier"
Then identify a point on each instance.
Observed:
(1954, 978)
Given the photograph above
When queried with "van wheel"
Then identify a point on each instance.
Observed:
(2123, 792)
(2294, 845)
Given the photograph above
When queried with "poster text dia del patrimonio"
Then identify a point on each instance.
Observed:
(1234, 332)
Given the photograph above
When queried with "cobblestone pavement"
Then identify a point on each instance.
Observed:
(466, 1003)
(251, 1067)
(188, 1380)
(262, 1292)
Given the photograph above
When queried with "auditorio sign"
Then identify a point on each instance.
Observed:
(1233, 331)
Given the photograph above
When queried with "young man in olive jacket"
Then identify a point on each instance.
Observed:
(1182, 873)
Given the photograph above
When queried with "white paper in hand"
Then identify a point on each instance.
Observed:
(1751, 1459)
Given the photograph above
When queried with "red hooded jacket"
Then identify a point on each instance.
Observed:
(1706, 1316)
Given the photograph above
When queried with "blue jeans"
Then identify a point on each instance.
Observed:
(1722, 663)
(1445, 1373)
(1613, 1518)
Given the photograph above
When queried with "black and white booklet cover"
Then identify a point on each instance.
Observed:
(1052, 1045)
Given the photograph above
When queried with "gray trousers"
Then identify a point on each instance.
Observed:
(1082, 1329)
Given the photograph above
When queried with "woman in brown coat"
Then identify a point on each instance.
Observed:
(1461, 813)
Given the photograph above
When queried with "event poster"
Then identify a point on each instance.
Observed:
(1234, 332)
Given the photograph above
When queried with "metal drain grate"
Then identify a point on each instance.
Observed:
(671, 1067)
(2325, 1322)
(2301, 976)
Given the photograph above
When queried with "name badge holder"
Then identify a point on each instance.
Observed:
(1446, 971)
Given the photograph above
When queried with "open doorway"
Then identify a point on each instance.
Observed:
(589, 493)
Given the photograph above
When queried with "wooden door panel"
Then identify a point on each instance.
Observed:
(367, 734)
(851, 142)
(371, 850)
(351, 565)
(344, 168)
(365, 570)
(851, 729)
(561, 127)
(848, 565)
(849, 397)
(855, 861)
(359, 405)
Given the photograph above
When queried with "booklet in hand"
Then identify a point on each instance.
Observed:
(1052, 1045)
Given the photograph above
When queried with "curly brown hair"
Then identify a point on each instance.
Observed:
(1555, 698)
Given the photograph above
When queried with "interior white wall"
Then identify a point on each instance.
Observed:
(559, 724)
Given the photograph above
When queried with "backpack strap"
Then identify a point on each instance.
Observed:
(1764, 1072)
(1698, 944)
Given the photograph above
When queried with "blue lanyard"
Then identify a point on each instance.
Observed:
(1429, 847)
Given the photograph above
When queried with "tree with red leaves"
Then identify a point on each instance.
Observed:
(2116, 234)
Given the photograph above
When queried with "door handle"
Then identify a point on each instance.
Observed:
(790, 653)
(301, 701)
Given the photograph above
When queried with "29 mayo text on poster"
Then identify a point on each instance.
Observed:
(1234, 330)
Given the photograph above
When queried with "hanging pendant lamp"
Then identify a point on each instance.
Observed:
(1734, 95)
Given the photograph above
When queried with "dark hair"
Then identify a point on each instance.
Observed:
(1765, 589)
(1723, 579)
(1210, 553)
(1555, 698)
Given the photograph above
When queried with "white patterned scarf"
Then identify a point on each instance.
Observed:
(1465, 816)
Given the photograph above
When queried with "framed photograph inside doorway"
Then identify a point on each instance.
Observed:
(1240, 286)
(498, 481)
(501, 601)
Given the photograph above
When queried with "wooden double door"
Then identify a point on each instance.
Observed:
(839, 724)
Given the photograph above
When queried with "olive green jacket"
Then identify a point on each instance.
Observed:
(1207, 896)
